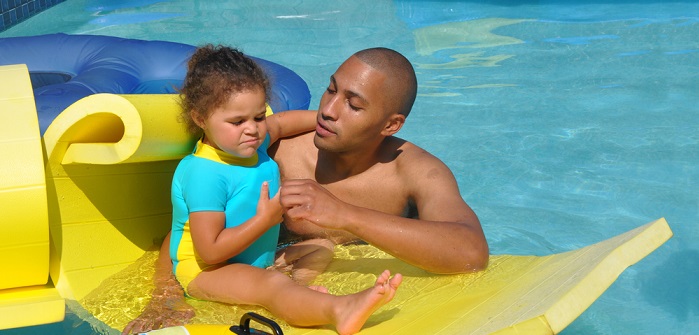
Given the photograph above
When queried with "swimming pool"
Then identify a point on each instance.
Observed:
(565, 122)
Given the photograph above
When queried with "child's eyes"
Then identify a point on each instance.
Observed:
(256, 118)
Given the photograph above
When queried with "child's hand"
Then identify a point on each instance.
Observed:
(269, 209)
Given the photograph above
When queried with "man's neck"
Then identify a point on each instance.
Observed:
(333, 166)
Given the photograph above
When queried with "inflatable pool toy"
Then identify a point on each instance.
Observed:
(88, 199)
(64, 68)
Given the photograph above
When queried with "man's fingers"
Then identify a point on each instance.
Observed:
(298, 186)
(289, 199)
(295, 182)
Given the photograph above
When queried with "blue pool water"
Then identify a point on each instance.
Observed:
(565, 122)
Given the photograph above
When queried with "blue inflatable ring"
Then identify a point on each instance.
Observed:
(65, 68)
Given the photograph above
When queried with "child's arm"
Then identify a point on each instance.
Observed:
(290, 123)
(215, 243)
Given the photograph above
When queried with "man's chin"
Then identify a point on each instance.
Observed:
(322, 143)
(318, 141)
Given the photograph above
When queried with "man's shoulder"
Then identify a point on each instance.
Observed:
(406, 151)
(412, 162)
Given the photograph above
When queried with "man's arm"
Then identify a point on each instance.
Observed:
(446, 237)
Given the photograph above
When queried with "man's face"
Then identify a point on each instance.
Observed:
(352, 110)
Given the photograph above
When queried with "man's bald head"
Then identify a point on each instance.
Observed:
(402, 83)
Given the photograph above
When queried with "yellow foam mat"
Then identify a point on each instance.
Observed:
(22, 186)
(24, 225)
(515, 295)
(110, 165)
(32, 305)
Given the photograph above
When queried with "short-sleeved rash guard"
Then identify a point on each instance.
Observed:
(213, 180)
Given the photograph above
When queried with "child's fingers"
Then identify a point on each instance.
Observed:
(277, 196)
(264, 191)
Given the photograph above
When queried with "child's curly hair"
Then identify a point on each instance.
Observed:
(213, 74)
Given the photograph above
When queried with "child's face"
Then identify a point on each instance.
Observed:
(238, 126)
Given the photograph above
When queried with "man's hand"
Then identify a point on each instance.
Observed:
(305, 199)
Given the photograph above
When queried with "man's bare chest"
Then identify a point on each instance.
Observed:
(380, 195)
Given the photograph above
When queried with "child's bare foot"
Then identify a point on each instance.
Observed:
(352, 315)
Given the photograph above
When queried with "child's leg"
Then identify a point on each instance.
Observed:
(305, 260)
(296, 304)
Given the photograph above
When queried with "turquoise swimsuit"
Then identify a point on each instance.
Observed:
(212, 180)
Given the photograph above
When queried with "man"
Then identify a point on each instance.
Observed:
(353, 180)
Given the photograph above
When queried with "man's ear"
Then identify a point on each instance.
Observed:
(393, 125)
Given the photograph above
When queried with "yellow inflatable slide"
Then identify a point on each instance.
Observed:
(85, 203)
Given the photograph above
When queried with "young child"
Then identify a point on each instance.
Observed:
(225, 225)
